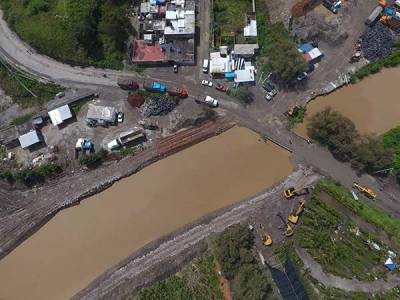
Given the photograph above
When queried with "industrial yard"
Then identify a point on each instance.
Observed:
(191, 79)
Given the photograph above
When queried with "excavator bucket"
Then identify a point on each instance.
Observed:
(289, 231)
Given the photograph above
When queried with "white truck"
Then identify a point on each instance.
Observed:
(205, 65)
(132, 136)
(208, 100)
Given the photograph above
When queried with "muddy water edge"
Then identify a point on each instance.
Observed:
(81, 242)
(372, 104)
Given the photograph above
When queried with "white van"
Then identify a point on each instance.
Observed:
(205, 66)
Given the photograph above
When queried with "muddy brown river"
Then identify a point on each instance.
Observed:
(372, 104)
(81, 242)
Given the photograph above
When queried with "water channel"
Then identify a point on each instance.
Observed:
(372, 104)
(81, 242)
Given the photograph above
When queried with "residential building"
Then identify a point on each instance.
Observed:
(30, 139)
(60, 115)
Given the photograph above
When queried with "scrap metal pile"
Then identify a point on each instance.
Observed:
(157, 106)
(377, 42)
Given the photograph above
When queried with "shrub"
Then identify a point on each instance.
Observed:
(250, 283)
(94, 159)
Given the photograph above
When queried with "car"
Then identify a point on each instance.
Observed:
(302, 76)
(207, 83)
(120, 117)
(221, 87)
(175, 68)
(205, 66)
(210, 101)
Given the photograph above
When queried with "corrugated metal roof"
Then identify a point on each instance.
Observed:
(60, 114)
(28, 139)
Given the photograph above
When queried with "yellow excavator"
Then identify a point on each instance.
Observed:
(266, 237)
(289, 229)
(370, 193)
(295, 214)
(291, 192)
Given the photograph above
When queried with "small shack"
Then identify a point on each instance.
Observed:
(60, 115)
(101, 114)
(30, 139)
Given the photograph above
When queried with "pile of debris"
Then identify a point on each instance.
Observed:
(377, 42)
(302, 7)
(157, 106)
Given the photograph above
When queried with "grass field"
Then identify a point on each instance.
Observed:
(338, 244)
(22, 89)
(83, 32)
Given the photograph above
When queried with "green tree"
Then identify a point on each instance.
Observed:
(93, 160)
(335, 131)
(251, 283)
(232, 249)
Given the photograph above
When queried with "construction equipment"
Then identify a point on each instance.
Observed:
(177, 92)
(289, 229)
(356, 57)
(292, 192)
(368, 192)
(295, 214)
(83, 145)
(266, 237)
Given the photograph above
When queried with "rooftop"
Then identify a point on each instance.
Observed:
(246, 75)
(59, 115)
(245, 49)
(28, 139)
(181, 26)
(250, 29)
(105, 113)
(142, 52)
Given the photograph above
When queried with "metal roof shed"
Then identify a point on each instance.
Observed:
(246, 75)
(29, 139)
(104, 113)
(59, 115)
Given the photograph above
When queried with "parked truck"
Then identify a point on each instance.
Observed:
(155, 87)
(131, 137)
(82, 146)
(374, 16)
(127, 84)
(177, 92)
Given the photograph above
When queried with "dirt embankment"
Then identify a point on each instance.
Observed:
(46, 201)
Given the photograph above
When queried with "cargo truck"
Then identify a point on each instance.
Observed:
(127, 84)
(131, 137)
(155, 87)
(177, 92)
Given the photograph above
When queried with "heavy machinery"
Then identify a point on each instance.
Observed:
(289, 229)
(295, 214)
(266, 237)
(368, 192)
(83, 145)
(177, 92)
(292, 192)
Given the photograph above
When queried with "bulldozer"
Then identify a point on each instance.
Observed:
(266, 237)
(289, 229)
(368, 192)
(292, 192)
(295, 214)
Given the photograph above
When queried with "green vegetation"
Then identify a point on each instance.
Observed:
(196, 281)
(32, 176)
(229, 20)
(93, 160)
(76, 31)
(391, 140)
(339, 134)
(374, 67)
(297, 116)
(25, 90)
(336, 243)
(362, 208)
(233, 250)
(76, 107)
(22, 119)
(278, 51)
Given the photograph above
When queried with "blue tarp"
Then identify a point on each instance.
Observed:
(306, 47)
(390, 264)
(229, 74)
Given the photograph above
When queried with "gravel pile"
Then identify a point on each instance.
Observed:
(157, 106)
(377, 42)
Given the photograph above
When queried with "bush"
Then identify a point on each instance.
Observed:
(93, 160)
(31, 176)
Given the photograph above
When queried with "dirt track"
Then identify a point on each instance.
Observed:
(163, 257)
(40, 205)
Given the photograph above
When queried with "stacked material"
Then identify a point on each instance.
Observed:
(377, 42)
(158, 106)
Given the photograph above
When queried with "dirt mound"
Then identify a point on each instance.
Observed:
(302, 7)
(135, 100)
(316, 26)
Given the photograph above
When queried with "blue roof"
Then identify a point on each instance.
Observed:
(230, 74)
(306, 47)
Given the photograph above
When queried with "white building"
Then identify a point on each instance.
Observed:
(60, 114)
(29, 139)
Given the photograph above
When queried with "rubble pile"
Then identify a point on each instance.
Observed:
(157, 106)
(377, 42)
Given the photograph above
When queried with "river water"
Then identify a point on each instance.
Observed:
(81, 242)
(372, 104)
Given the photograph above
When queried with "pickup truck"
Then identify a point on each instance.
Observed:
(208, 100)
(127, 84)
